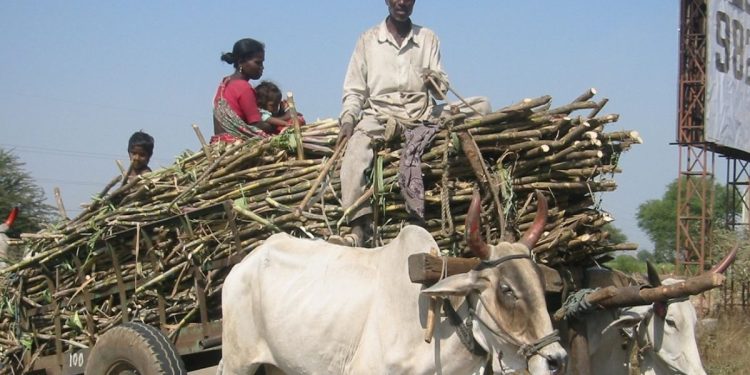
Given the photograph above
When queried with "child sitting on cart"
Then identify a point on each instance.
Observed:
(273, 109)
(140, 149)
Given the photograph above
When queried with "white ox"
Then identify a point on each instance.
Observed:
(310, 307)
(663, 331)
(3, 238)
(666, 344)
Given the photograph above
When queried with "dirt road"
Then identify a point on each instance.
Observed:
(205, 371)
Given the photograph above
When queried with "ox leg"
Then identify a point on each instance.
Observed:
(246, 369)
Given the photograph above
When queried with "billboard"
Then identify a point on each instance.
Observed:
(727, 106)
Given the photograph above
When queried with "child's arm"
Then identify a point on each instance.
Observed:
(277, 122)
(286, 115)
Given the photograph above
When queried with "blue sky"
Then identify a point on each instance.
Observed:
(78, 77)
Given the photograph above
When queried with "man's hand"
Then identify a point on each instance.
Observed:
(428, 73)
(346, 130)
(433, 81)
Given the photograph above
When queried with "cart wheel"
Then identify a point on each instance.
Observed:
(134, 348)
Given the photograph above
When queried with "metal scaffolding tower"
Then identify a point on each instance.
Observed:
(696, 157)
(738, 201)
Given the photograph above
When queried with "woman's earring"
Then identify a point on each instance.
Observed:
(240, 68)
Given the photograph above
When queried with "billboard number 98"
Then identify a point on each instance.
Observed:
(732, 37)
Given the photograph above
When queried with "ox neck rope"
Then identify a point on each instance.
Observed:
(494, 263)
(464, 329)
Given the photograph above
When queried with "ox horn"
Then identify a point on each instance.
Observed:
(653, 275)
(535, 231)
(473, 231)
(660, 307)
(11, 217)
(727, 261)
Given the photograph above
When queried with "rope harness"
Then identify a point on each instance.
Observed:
(446, 222)
(464, 329)
(575, 305)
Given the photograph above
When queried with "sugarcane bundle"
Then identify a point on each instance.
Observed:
(142, 250)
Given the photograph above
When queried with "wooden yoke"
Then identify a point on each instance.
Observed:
(427, 268)
(431, 310)
(613, 297)
(635, 295)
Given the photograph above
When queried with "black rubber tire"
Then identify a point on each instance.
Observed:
(134, 348)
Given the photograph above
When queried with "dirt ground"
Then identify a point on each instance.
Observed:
(205, 371)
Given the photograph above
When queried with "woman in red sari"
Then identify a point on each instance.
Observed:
(236, 112)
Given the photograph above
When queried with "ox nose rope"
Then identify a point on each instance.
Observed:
(529, 350)
(525, 350)
(464, 329)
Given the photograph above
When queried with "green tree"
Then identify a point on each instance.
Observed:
(18, 189)
(615, 234)
(645, 256)
(627, 264)
(658, 218)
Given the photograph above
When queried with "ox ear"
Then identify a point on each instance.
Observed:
(629, 317)
(461, 284)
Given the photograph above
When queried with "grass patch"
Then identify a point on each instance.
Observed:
(630, 265)
(725, 349)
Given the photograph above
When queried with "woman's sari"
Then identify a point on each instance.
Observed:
(232, 124)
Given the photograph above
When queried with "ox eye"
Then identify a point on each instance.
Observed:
(670, 322)
(506, 291)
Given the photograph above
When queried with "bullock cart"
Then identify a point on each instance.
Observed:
(139, 272)
(136, 337)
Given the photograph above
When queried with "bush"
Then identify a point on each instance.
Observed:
(630, 265)
(627, 264)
